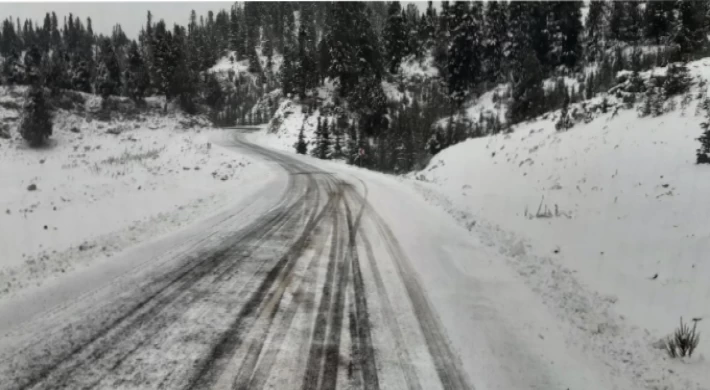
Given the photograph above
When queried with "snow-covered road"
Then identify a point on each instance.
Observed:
(324, 277)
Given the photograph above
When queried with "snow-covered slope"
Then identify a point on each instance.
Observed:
(607, 222)
(104, 186)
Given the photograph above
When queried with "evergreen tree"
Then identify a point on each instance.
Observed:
(702, 154)
(595, 29)
(36, 124)
(56, 73)
(33, 61)
(658, 20)
(109, 73)
(301, 144)
(528, 94)
(352, 45)
(306, 69)
(316, 151)
(690, 33)
(395, 37)
(324, 142)
(519, 38)
(464, 66)
(337, 141)
(136, 75)
(565, 31)
(495, 39)
(352, 147)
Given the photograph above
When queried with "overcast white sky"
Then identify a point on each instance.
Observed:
(131, 15)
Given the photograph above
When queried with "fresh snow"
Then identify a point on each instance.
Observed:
(99, 193)
(606, 222)
(568, 230)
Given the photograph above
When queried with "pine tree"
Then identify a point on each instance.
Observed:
(565, 31)
(307, 67)
(704, 150)
(519, 39)
(33, 61)
(56, 74)
(316, 151)
(36, 124)
(464, 66)
(352, 45)
(352, 147)
(395, 37)
(658, 20)
(109, 73)
(495, 39)
(337, 141)
(324, 152)
(301, 145)
(528, 94)
(595, 29)
(690, 32)
(136, 75)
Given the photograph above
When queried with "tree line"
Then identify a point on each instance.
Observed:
(474, 45)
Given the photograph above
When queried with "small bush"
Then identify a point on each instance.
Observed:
(683, 342)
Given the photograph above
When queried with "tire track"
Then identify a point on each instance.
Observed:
(405, 365)
(361, 331)
(447, 364)
(150, 314)
(170, 287)
(214, 364)
(315, 355)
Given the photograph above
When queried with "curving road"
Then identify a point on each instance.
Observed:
(315, 293)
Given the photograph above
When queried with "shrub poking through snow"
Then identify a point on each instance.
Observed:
(684, 341)
(36, 125)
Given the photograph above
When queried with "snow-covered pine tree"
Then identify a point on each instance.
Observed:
(307, 67)
(318, 142)
(33, 62)
(703, 153)
(352, 144)
(36, 124)
(324, 152)
(689, 32)
(394, 37)
(136, 75)
(596, 29)
(565, 30)
(337, 141)
(527, 91)
(464, 67)
(494, 39)
(301, 145)
(659, 18)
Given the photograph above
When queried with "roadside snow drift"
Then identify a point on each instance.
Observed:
(608, 222)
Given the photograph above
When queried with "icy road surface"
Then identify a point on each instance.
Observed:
(324, 277)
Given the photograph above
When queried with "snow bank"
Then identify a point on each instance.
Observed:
(104, 186)
(607, 222)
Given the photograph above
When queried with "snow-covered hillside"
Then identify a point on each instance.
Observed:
(100, 187)
(607, 222)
